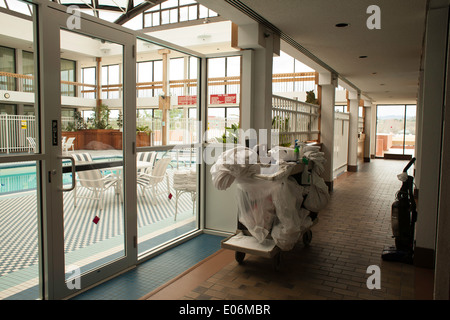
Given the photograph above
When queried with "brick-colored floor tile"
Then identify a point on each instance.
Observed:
(350, 236)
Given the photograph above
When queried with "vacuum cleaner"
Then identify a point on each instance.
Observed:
(403, 219)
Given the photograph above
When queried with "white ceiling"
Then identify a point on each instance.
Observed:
(389, 74)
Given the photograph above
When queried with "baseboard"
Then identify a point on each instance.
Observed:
(424, 258)
(352, 168)
(393, 156)
(372, 156)
(366, 159)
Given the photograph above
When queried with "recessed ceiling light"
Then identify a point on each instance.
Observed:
(341, 25)
(362, 57)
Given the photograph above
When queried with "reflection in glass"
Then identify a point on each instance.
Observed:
(167, 115)
(92, 135)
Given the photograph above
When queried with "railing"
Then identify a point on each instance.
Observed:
(14, 131)
(283, 82)
(294, 82)
(294, 120)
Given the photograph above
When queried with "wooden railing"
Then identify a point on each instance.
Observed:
(24, 83)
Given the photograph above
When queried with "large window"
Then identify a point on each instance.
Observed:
(111, 81)
(68, 75)
(285, 64)
(396, 130)
(7, 64)
(88, 76)
(174, 11)
(28, 71)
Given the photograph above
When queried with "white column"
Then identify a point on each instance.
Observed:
(434, 67)
(327, 115)
(368, 121)
(256, 79)
(352, 164)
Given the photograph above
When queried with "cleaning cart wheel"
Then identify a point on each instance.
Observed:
(307, 237)
(239, 257)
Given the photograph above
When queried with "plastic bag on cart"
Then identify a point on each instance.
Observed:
(291, 220)
(256, 210)
(236, 162)
(318, 196)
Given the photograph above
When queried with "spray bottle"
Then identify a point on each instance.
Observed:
(296, 151)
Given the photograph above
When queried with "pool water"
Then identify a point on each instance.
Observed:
(17, 177)
(22, 179)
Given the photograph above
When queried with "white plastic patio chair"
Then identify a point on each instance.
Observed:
(31, 144)
(185, 182)
(147, 157)
(94, 181)
(68, 144)
(147, 181)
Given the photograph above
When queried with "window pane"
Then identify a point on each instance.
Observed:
(165, 17)
(203, 12)
(183, 13)
(145, 70)
(156, 19)
(148, 20)
(174, 16)
(193, 12)
(176, 69)
(216, 67)
(113, 74)
(193, 68)
(7, 64)
(212, 13)
(233, 66)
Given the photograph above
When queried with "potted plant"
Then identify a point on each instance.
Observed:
(143, 136)
(311, 97)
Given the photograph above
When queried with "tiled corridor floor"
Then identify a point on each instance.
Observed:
(350, 236)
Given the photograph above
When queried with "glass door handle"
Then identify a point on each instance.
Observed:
(72, 161)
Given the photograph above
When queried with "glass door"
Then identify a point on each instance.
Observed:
(167, 136)
(94, 163)
(21, 155)
(395, 130)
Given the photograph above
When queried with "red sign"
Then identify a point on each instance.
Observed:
(187, 100)
(223, 98)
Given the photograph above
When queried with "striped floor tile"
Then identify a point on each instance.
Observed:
(18, 222)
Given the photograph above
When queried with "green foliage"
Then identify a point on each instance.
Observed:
(80, 124)
(282, 124)
(143, 129)
(120, 120)
(101, 118)
(231, 134)
(311, 97)
(70, 127)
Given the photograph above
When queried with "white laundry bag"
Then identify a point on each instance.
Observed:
(318, 195)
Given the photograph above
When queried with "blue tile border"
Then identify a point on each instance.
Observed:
(153, 273)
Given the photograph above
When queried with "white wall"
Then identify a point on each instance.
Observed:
(220, 205)
(341, 129)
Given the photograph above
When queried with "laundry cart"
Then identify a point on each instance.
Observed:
(273, 214)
